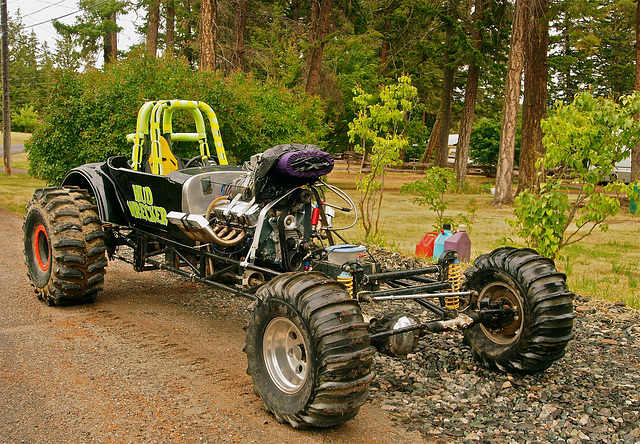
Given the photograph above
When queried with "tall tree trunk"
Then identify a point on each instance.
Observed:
(568, 51)
(111, 41)
(152, 28)
(448, 79)
(114, 38)
(466, 125)
(320, 10)
(239, 28)
(470, 95)
(442, 146)
(384, 51)
(534, 107)
(295, 11)
(188, 44)
(208, 34)
(171, 31)
(635, 153)
(433, 140)
(504, 174)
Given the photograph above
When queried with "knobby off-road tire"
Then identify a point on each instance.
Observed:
(541, 331)
(64, 246)
(308, 350)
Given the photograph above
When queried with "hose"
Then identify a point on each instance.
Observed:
(344, 196)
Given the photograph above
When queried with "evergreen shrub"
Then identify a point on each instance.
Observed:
(90, 114)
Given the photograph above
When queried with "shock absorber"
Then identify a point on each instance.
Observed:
(453, 302)
(347, 279)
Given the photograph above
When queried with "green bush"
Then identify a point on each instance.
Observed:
(485, 143)
(414, 151)
(26, 120)
(432, 191)
(90, 114)
(585, 139)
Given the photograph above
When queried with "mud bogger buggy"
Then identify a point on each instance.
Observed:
(264, 231)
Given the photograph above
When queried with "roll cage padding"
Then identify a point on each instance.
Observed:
(154, 120)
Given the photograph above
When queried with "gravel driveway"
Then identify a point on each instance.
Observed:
(590, 395)
(158, 359)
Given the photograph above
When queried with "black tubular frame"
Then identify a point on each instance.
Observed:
(145, 259)
(197, 270)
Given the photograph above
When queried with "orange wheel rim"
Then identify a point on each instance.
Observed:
(41, 247)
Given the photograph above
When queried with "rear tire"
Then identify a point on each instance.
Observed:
(308, 351)
(64, 246)
(540, 332)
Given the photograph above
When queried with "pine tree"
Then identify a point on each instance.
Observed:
(534, 107)
(208, 35)
(320, 10)
(96, 30)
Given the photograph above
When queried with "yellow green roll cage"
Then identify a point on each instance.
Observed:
(154, 121)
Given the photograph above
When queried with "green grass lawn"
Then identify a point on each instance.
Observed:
(19, 161)
(16, 137)
(16, 190)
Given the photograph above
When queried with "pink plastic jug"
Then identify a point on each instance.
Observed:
(461, 243)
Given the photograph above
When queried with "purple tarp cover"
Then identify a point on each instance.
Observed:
(304, 164)
(288, 166)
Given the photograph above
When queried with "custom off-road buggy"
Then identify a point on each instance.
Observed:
(264, 231)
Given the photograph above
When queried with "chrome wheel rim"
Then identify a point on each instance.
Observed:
(285, 355)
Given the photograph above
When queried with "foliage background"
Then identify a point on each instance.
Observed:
(369, 44)
(90, 114)
(485, 142)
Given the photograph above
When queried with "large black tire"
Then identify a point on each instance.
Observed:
(540, 332)
(64, 246)
(308, 350)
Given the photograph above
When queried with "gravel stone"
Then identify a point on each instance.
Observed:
(589, 395)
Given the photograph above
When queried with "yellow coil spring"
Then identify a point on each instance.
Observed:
(453, 302)
(347, 280)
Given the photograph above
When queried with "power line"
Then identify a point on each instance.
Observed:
(46, 7)
(67, 15)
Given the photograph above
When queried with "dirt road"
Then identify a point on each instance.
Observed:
(156, 359)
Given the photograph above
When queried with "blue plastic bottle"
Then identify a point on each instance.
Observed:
(438, 245)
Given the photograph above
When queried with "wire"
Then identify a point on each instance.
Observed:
(46, 7)
(67, 15)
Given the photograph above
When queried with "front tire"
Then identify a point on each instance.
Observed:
(64, 246)
(539, 332)
(308, 351)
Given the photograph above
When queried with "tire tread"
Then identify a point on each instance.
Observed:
(342, 352)
(76, 241)
(549, 304)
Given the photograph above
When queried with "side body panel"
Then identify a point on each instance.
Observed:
(147, 197)
(95, 178)
(141, 200)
